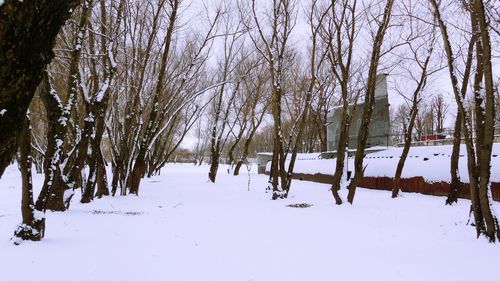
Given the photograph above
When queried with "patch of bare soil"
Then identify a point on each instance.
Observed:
(120, 213)
(300, 205)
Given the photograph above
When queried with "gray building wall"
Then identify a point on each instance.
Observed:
(379, 130)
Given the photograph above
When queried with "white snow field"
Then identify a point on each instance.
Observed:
(183, 228)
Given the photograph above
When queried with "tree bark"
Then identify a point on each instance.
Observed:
(341, 148)
(409, 131)
(369, 101)
(406, 150)
(456, 185)
(27, 33)
(52, 194)
(139, 167)
(478, 153)
(246, 147)
(488, 130)
(340, 56)
(31, 228)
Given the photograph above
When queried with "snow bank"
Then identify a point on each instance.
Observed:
(430, 162)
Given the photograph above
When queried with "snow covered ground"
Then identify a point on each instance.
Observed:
(183, 228)
(430, 162)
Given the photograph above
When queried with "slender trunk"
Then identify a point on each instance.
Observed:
(369, 102)
(243, 157)
(214, 145)
(488, 131)
(278, 173)
(478, 162)
(409, 131)
(303, 118)
(31, 228)
(115, 180)
(341, 148)
(140, 162)
(102, 178)
(232, 148)
(97, 171)
(74, 174)
(248, 141)
(52, 194)
(214, 166)
(340, 56)
(406, 150)
(456, 184)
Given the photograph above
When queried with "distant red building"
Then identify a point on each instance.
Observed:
(434, 137)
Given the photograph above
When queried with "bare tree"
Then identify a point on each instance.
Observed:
(271, 39)
(97, 104)
(440, 108)
(172, 90)
(421, 52)
(316, 16)
(340, 35)
(424, 121)
(233, 43)
(52, 196)
(168, 144)
(255, 87)
(140, 165)
(399, 121)
(478, 150)
(382, 23)
(202, 136)
(33, 224)
(142, 27)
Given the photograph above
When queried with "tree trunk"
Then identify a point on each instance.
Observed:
(478, 153)
(243, 158)
(341, 148)
(456, 184)
(406, 150)
(409, 131)
(214, 166)
(102, 178)
(75, 173)
(52, 194)
(369, 102)
(27, 33)
(139, 167)
(278, 173)
(31, 228)
(232, 148)
(136, 174)
(248, 141)
(55, 184)
(488, 131)
(97, 172)
(215, 142)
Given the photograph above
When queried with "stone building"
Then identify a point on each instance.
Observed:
(379, 131)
